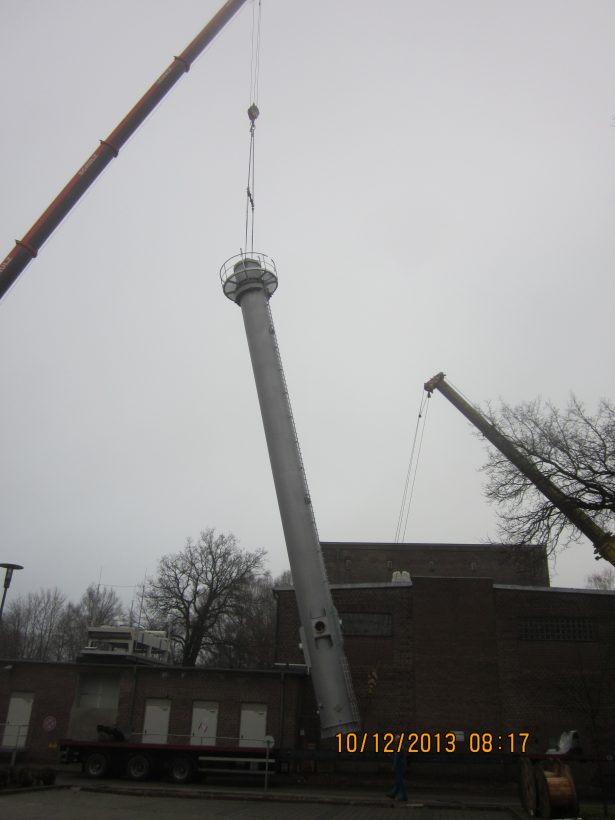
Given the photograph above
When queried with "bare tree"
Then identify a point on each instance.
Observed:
(44, 626)
(196, 589)
(573, 449)
(30, 625)
(245, 637)
(284, 578)
(601, 580)
(98, 606)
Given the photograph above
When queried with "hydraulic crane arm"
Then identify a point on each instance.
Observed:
(28, 247)
(604, 543)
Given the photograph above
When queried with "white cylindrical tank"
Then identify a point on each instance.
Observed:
(250, 282)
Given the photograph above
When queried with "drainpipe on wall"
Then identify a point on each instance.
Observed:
(132, 698)
(282, 706)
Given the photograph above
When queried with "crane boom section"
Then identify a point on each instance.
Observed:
(604, 543)
(27, 248)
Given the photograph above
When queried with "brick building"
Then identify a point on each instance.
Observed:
(350, 563)
(157, 703)
(475, 640)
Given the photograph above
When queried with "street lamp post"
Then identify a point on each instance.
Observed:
(8, 575)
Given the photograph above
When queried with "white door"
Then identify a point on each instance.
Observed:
(18, 720)
(253, 726)
(156, 723)
(204, 723)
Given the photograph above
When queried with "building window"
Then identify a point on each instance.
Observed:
(556, 629)
(378, 624)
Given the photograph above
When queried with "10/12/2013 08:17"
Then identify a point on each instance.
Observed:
(431, 742)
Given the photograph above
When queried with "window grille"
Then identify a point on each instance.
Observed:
(377, 624)
(556, 629)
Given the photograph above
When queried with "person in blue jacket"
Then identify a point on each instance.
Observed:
(400, 765)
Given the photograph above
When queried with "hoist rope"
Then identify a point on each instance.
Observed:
(250, 194)
(416, 467)
(409, 471)
(253, 113)
(406, 502)
(255, 56)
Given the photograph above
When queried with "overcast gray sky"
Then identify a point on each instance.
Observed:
(435, 180)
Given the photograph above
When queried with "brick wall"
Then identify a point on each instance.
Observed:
(351, 563)
(548, 685)
(227, 688)
(55, 687)
(454, 660)
(53, 693)
(456, 670)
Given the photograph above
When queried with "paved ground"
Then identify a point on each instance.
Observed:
(77, 804)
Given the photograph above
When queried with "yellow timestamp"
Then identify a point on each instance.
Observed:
(431, 742)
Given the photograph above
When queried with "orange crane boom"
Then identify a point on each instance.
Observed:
(27, 248)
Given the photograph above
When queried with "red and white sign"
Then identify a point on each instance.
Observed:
(50, 723)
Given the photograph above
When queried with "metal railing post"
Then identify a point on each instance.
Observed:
(268, 742)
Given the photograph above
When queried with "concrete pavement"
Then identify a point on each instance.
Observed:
(75, 803)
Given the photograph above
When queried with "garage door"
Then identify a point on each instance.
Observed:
(253, 726)
(156, 723)
(17, 720)
(204, 723)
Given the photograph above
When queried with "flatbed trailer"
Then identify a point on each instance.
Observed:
(178, 761)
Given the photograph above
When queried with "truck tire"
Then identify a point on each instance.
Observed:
(181, 769)
(138, 767)
(96, 764)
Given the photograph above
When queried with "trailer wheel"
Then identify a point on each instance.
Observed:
(181, 769)
(96, 764)
(138, 767)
